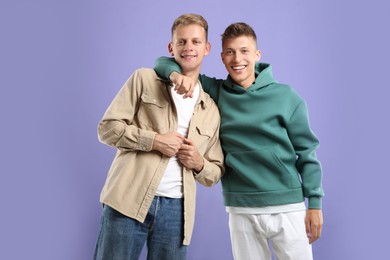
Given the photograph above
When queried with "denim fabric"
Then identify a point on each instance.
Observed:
(122, 238)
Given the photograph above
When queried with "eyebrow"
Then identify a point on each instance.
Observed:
(241, 48)
(186, 39)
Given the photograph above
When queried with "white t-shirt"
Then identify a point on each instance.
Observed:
(171, 184)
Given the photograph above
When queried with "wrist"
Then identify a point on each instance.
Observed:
(155, 145)
(173, 75)
(199, 167)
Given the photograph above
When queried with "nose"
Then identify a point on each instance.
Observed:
(237, 56)
(188, 46)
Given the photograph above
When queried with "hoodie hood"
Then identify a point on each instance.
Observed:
(263, 76)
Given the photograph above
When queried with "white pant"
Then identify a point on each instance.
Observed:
(250, 236)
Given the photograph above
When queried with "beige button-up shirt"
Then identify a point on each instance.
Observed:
(142, 108)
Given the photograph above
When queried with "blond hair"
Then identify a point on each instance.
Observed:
(187, 19)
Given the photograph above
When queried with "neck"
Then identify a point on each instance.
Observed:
(245, 84)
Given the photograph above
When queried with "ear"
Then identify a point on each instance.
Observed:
(258, 54)
(208, 49)
(170, 49)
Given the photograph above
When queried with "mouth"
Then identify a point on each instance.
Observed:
(239, 68)
(188, 57)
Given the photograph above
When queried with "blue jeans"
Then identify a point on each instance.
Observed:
(123, 238)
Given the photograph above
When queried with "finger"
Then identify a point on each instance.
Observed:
(180, 90)
(308, 230)
(178, 83)
(188, 142)
(313, 239)
(180, 136)
(315, 233)
(189, 94)
(183, 148)
(190, 91)
(313, 236)
(186, 149)
(184, 160)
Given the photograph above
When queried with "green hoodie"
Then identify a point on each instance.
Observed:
(266, 137)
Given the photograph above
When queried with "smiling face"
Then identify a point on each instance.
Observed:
(240, 55)
(189, 45)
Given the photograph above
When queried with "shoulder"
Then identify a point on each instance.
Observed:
(286, 91)
(143, 80)
(145, 73)
(146, 76)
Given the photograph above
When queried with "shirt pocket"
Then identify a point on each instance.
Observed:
(203, 136)
(153, 112)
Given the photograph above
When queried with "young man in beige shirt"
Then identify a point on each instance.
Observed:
(164, 144)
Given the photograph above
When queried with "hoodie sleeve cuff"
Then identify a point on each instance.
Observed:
(315, 203)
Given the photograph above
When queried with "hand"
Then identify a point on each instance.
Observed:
(168, 144)
(183, 84)
(313, 222)
(189, 156)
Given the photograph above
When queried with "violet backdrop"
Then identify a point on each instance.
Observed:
(62, 62)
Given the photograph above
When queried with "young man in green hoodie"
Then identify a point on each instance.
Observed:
(271, 163)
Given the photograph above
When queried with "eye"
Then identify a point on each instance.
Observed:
(197, 42)
(245, 51)
(229, 52)
(180, 42)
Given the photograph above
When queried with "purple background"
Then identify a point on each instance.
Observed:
(62, 62)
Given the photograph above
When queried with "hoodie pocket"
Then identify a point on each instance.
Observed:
(258, 171)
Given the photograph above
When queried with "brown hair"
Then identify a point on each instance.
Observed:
(236, 30)
(187, 19)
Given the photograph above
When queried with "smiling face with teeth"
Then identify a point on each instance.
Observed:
(240, 55)
(189, 45)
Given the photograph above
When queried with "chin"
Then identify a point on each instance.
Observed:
(237, 80)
